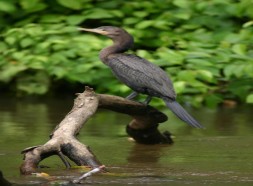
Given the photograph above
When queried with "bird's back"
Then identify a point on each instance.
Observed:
(141, 75)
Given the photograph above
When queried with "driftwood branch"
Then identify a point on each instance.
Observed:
(63, 142)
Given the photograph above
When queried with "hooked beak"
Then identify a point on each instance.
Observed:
(95, 30)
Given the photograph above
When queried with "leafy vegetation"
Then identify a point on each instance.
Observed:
(205, 45)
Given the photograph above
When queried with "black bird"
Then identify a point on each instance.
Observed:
(138, 73)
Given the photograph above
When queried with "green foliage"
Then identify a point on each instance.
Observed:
(205, 46)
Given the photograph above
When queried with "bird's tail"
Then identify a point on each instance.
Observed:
(178, 110)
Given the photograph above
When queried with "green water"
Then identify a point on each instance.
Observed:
(221, 154)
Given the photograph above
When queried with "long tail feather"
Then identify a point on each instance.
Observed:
(178, 110)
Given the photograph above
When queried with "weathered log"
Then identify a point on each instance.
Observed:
(63, 142)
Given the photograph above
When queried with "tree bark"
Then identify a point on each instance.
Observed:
(63, 142)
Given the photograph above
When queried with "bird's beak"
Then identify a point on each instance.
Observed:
(95, 30)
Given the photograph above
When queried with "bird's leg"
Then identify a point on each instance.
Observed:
(147, 100)
(132, 95)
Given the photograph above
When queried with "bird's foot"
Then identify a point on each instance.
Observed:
(132, 95)
(147, 100)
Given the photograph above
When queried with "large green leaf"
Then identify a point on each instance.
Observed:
(7, 6)
(239, 49)
(75, 19)
(97, 13)
(249, 98)
(75, 4)
(32, 5)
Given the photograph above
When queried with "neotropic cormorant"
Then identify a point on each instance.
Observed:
(138, 73)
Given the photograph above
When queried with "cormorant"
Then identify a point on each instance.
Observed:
(138, 73)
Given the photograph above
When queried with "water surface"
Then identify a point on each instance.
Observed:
(221, 154)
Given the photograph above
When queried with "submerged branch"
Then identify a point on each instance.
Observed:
(88, 174)
(143, 127)
(63, 142)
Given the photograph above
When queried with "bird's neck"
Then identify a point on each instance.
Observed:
(119, 46)
(104, 53)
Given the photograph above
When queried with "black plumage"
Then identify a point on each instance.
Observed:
(138, 73)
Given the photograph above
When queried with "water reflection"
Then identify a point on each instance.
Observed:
(144, 154)
(220, 153)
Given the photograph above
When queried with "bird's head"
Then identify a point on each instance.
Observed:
(104, 30)
(115, 33)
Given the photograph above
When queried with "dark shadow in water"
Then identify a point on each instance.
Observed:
(146, 153)
(3, 181)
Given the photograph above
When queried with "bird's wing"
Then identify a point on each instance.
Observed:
(139, 73)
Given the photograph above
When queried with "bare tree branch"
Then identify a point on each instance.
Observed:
(63, 142)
